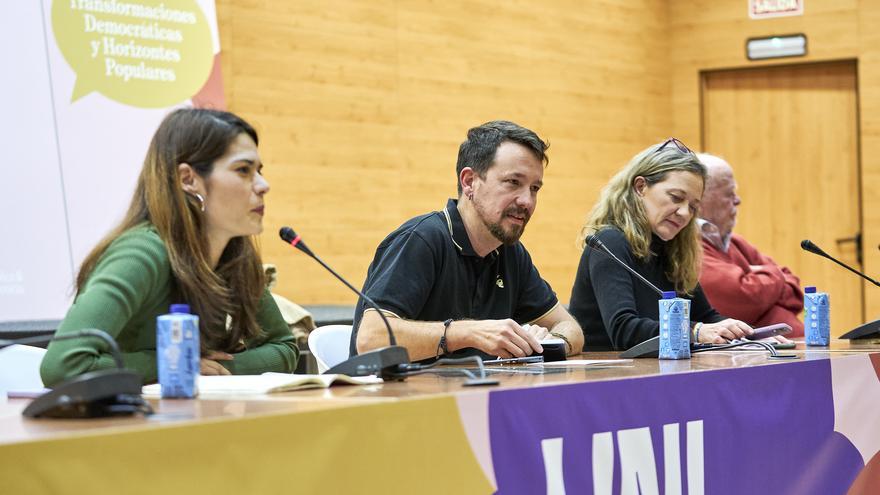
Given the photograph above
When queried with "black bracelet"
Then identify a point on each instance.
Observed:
(441, 346)
(564, 339)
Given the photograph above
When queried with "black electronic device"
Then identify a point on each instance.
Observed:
(554, 349)
(868, 330)
(386, 362)
(110, 392)
(783, 345)
(647, 349)
(96, 394)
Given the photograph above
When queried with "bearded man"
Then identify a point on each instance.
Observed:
(458, 282)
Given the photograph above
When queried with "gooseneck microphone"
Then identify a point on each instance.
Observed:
(385, 362)
(807, 245)
(289, 236)
(595, 243)
(651, 347)
(868, 330)
(101, 393)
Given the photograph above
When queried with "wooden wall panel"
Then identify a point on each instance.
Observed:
(361, 108)
(869, 88)
(757, 119)
(711, 34)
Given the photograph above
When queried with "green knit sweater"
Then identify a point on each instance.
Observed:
(129, 287)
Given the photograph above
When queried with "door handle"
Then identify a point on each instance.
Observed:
(857, 239)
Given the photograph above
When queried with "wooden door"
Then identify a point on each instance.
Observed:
(791, 135)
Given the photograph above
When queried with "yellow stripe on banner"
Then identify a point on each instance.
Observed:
(398, 447)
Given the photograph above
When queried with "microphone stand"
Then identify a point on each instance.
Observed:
(386, 362)
(808, 246)
(593, 242)
(651, 347)
(870, 329)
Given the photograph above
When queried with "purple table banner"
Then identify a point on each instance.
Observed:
(765, 429)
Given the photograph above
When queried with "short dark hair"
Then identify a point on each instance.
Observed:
(478, 151)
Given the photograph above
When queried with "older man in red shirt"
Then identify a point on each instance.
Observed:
(739, 281)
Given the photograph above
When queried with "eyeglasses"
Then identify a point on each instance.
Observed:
(678, 144)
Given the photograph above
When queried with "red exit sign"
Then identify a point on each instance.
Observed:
(763, 9)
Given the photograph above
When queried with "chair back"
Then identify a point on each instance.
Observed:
(329, 344)
(20, 368)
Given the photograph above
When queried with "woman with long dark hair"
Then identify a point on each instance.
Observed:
(187, 238)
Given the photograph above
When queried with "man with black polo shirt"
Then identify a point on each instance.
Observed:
(458, 282)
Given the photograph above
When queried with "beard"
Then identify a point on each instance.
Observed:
(507, 237)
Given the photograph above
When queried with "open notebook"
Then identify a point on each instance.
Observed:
(268, 383)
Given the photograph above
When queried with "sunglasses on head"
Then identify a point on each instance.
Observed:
(678, 144)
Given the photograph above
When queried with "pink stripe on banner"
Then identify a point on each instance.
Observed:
(856, 402)
(474, 411)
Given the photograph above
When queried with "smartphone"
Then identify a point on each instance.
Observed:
(770, 331)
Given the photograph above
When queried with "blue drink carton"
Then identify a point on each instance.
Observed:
(177, 349)
(675, 327)
(817, 317)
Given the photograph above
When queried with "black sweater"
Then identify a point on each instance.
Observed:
(616, 310)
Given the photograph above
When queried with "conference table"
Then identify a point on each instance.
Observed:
(720, 422)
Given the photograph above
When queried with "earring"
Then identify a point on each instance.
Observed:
(201, 201)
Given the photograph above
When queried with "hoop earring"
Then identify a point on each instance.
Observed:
(201, 201)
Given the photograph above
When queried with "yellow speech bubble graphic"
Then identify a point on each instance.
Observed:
(144, 53)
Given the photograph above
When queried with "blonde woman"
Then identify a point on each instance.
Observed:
(646, 217)
(186, 238)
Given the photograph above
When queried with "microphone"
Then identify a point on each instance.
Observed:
(101, 393)
(868, 330)
(386, 361)
(595, 243)
(807, 245)
(651, 347)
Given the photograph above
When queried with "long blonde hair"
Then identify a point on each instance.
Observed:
(619, 206)
(197, 137)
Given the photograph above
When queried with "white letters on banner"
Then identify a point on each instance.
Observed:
(638, 465)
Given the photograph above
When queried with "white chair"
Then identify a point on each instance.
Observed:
(329, 344)
(20, 368)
